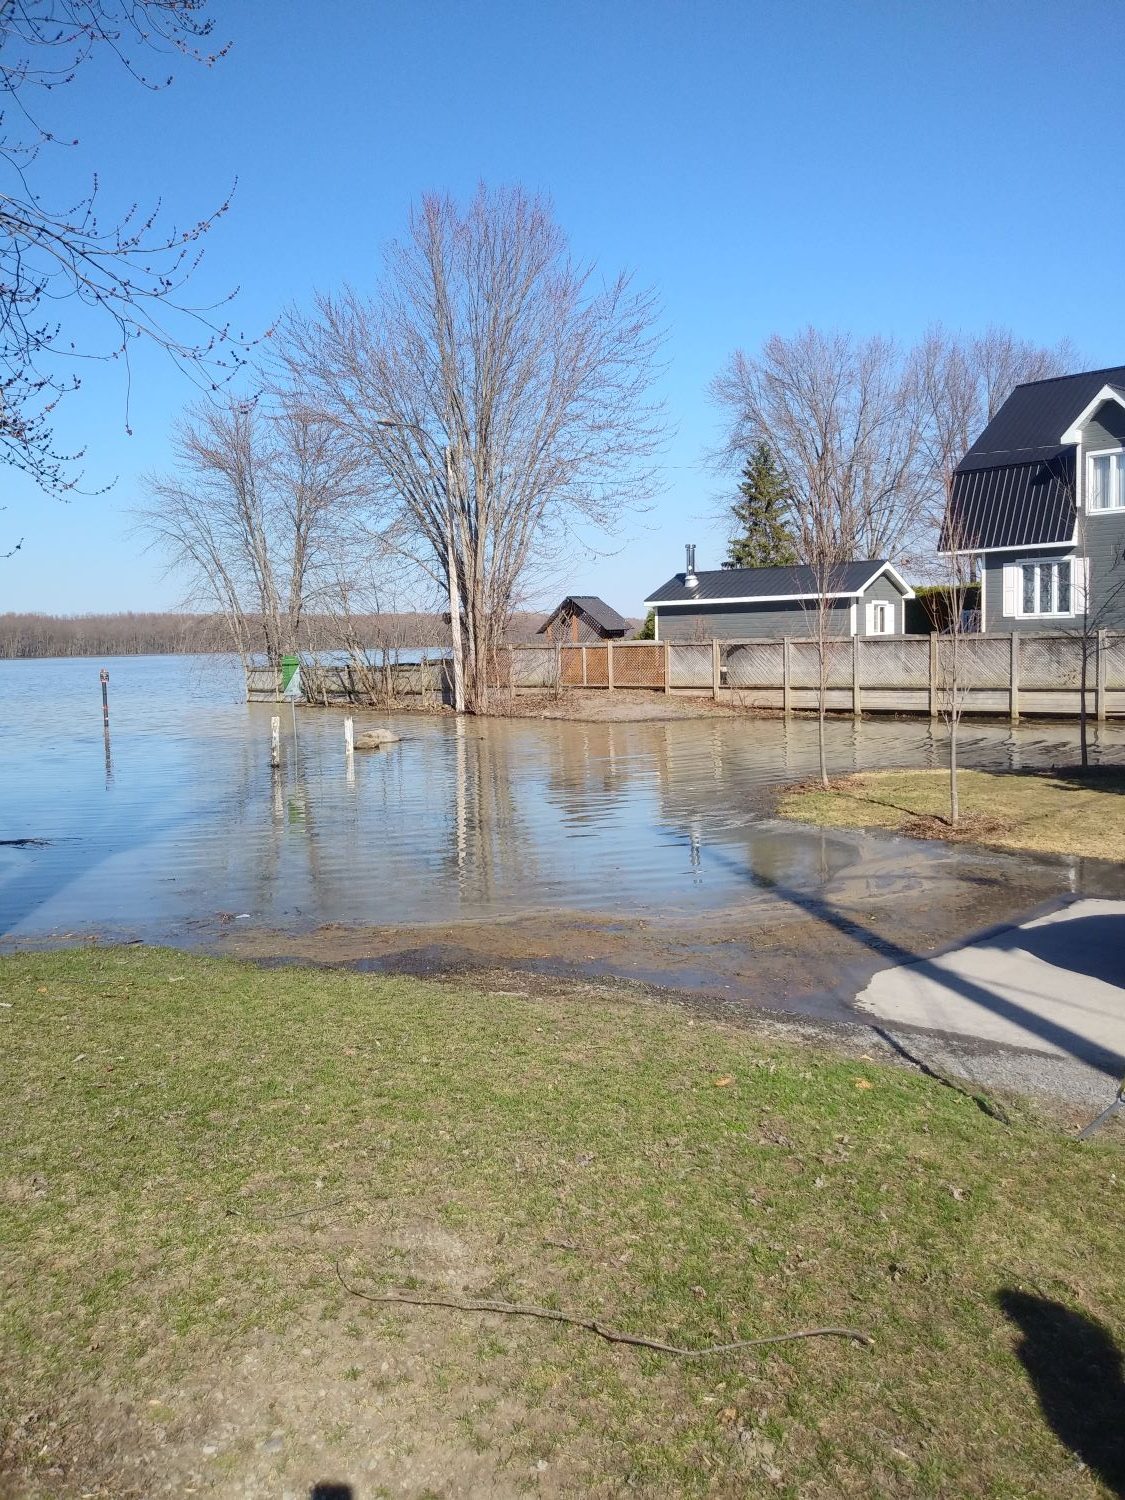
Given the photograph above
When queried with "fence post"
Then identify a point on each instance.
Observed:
(934, 706)
(349, 737)
(857, 711)
(609, 665)
(583, 666)
(667, 649)
(1100, 677)
(275, 741)
(716, 669)
(1014, 684)
(786, 679)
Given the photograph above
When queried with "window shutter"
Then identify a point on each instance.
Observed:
(1011, 590)
(1079, 584)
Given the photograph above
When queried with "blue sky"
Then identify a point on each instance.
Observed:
(867, 166)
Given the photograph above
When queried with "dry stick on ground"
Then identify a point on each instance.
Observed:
(611, 1335)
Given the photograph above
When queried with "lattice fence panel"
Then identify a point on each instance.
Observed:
(639, 664)
(804, 664)
(1115, 662)
(897, 662)
(690, 664)
(1055, 662)
(597, 666)
(981, 662)
(570, 666)
(753, 664)
(532, 666)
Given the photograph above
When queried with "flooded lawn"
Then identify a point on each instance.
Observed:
(597, 848)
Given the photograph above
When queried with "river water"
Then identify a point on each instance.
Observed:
(179, 823)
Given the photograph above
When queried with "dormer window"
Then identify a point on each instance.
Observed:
(1105, 481)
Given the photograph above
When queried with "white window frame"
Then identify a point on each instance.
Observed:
(1042, 614)
(873, 607)
(1118, 484)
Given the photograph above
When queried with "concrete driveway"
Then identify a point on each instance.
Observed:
(1053, 985)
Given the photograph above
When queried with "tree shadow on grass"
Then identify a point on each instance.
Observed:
(1075, 1368)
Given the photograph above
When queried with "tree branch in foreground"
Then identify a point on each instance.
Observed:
(611, 1335)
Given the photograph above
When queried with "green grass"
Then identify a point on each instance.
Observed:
(1047, 812)
(189, 1145)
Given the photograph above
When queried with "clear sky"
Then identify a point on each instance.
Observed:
(870, 166)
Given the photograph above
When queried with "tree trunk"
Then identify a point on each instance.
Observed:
(1083, 741)
(820, 713)
(954, 798)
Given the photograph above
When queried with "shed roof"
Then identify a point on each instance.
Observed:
(597, 609)
(761, 585)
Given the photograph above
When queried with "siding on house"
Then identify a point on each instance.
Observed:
(746, 622)
(882, 589)
(1103, 541)
(1105, 429)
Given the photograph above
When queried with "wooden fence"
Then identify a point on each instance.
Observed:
(1006, 675)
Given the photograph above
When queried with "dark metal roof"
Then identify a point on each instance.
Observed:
(727, 585)
(596, 609)
(1031, 422)
(1012, 505)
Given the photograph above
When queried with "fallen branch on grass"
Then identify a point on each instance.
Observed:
(611, 1335)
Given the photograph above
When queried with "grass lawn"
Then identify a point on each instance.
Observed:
(1050, 812)
(189, 1146)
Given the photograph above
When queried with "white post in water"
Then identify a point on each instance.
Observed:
(275, 741)
(349, 737)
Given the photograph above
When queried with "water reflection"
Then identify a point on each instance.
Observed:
(462, 820)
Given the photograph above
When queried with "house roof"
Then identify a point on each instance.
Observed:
(1012, 506)
(1031, 423)
(779, 585)
(596, 609)
(1015, 486)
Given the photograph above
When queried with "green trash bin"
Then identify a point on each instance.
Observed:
(290, 666)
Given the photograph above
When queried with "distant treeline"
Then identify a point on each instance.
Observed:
(28, 635)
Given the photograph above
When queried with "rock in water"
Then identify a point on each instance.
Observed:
(375, 739)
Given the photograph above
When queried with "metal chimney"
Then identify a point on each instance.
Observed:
(690, 580)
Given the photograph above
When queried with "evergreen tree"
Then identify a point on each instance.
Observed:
(762, 538)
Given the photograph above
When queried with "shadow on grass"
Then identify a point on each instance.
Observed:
(1075, 1368)
(329, 1489)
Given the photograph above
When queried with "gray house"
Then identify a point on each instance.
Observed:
(732, 604)
(1039, 499)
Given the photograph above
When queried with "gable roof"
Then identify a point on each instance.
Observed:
(778, 585)
(596, 609)
(1015, 486)
(1031, 423)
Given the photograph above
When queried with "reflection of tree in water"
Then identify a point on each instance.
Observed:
(492, 849)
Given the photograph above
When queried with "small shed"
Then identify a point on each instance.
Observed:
(864, 598)
(582, 618)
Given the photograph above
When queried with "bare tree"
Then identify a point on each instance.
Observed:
(959, 382)
(498, 393)
(126, 269)
(841, 419)
(249, 513)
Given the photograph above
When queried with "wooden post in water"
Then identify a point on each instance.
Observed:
(349, 737)
(857, 707)
(275, 741)
(103, 678)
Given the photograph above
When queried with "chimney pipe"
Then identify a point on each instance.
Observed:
(690, 579)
